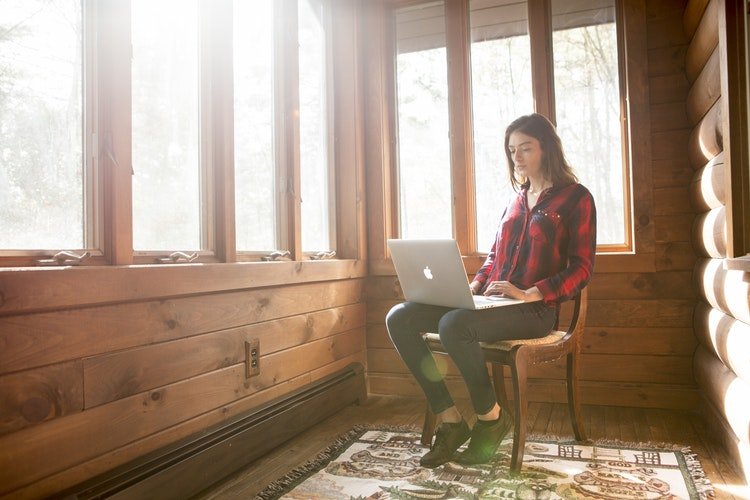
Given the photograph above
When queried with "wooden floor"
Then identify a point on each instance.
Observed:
(602, 422)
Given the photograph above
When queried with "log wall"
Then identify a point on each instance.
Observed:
(638, 345)
(721, 319)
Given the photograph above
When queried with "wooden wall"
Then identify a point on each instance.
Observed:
(722, 316)
(99, 366)
(639, 343)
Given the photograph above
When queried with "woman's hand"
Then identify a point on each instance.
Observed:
(508, 289)
(505, 288)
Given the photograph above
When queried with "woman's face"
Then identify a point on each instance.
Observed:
(526, 153)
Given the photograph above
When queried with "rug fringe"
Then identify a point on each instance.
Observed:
(290, 480)
(703, 485)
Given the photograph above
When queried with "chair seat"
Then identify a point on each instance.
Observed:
(518, 355)
(433, 339)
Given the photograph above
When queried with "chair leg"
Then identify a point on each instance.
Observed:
(574, 400)
(518, 370)
(498, 381)
(428, 429)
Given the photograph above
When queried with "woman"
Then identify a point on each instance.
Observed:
(543, 253)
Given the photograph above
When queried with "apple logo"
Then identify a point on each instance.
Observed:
(427, 273)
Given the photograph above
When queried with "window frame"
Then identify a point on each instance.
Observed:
(90, 146)
(330, 92)
(107, 139)
(453, 59)
(639, 254)
(628, 246)
(734, 33)
(207, 96)
(287, 132)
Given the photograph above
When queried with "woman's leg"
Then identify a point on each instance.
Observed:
(406, 323)
(461, 331)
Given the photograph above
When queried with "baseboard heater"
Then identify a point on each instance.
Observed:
(186, 468)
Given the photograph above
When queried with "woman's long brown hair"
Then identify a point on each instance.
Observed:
(554, 165)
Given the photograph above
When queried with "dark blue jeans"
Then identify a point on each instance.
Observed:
(460, 331)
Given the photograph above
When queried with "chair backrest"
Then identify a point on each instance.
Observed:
(569, 342)
(578, 321)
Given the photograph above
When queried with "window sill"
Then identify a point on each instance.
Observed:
(605, 263)
(36, 289)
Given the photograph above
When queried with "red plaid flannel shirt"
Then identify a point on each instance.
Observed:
(551, 247)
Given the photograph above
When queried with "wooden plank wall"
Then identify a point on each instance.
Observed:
(639, 344)
(88, 384)
(722, 316)
(101, 365)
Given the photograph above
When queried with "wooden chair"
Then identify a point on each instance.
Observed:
(518, 355)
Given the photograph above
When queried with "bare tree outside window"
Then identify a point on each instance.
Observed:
(424, 174)
(166, 125)
(501, 92)
(587, 96)
(587, 110)
(41, 125)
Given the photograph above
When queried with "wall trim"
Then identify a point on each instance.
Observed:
(188, 467)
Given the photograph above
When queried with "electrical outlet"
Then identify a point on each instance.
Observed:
(252, 358)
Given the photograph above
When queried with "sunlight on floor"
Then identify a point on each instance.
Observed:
(739, 491)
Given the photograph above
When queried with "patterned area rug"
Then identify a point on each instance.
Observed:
(383, 463)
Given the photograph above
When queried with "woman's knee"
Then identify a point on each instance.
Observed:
(455, 327)
(395, 316)
(398, 321)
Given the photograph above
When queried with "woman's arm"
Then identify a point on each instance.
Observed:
(481, 277)
(581, 252)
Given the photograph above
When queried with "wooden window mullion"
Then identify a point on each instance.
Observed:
(389, 127)
(218, 77)
(114, 134)
(634, 81)
(459, 113)
(379, 132)
(288, 136)
(542, 64)
(347, 116)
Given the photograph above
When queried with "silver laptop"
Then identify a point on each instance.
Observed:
(432, 272)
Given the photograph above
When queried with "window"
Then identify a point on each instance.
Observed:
(263, 110)
(167, 187)
(315, 171)
(255, 170)
(45, 185)
(501, 91)
(558, 58)
(424, 175)
(588, 110)
(148, 143)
